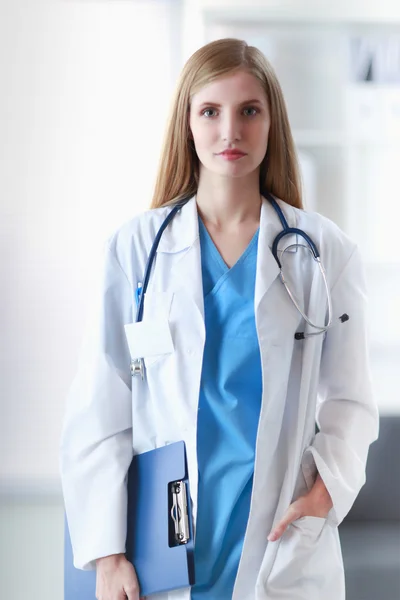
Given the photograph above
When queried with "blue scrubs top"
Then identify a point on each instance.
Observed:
(228, 415)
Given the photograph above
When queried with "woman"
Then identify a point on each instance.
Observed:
(268, 492)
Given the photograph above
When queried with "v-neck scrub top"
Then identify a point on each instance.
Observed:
(228, 415)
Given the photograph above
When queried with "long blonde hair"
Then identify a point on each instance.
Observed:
(178, 171)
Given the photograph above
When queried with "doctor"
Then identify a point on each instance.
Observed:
(225, 372)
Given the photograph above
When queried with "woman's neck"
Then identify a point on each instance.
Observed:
(228, 203)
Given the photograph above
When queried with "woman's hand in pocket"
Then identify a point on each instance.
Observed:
(316, 503)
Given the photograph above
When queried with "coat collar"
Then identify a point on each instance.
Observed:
(181, 238)
(183, 230)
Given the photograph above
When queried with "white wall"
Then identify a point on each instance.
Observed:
(85, 93)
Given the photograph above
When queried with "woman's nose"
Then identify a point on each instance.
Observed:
(230, 128)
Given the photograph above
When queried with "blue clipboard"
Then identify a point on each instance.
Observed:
(157, 520)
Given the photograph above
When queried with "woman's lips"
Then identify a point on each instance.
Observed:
(232, 155)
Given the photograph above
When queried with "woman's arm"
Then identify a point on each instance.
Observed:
(347, 415)
(96, 442)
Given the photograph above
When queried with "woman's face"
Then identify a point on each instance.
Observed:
(230, 113)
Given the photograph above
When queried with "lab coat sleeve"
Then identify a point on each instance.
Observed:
(96, 440)
(346, 415)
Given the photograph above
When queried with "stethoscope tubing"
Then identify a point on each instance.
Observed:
(150, 260)
(285, 231)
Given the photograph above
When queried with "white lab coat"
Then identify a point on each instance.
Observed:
(324, 379)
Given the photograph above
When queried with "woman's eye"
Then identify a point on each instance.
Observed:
(251, 108)
(208, 110)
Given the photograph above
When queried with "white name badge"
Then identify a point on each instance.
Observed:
(149, 338)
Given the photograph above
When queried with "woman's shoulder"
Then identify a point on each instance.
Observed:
(335, 246)
(131, 242)
(327, 231)
(139, 227)
(138, 233)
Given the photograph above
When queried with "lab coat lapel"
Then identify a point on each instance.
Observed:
(181, 241)
(267, 267)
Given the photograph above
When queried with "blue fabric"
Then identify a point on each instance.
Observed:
(229, 409)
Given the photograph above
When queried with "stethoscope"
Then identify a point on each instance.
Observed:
(137, 365)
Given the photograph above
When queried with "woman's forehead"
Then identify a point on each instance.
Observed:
(235, 87)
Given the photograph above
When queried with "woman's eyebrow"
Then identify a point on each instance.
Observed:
(253, 101)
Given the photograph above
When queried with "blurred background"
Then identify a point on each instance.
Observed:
(85, 92)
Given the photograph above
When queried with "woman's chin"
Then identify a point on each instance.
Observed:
(231, 169)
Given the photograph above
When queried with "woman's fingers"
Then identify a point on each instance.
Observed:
(293, 512)
(315, 503)
(132, 588)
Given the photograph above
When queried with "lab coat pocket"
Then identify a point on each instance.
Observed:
(299, 567)
(310, 525)
(150, 340)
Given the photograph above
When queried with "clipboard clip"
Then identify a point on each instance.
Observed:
(179, 512)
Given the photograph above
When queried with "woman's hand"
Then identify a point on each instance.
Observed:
(116, 579)
(317, 503)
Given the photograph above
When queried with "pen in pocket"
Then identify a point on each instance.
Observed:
(138, 292)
